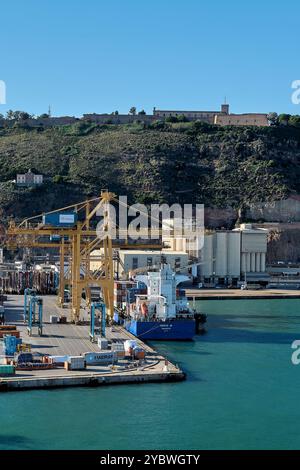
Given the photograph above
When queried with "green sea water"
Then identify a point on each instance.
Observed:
(242, 392)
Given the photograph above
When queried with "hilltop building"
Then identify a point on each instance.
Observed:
(221, 118)
(29, 179)
(205, 116)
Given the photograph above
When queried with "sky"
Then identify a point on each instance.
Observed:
(84, 56)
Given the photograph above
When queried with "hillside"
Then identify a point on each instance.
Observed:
(162, 162)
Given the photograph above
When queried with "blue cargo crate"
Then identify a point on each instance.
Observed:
(60, 219)
(10, 345)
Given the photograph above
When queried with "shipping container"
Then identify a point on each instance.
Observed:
(76, 362)
(10, 345)
(139, 353)
(24, 357)
(60, 219)
(7, 370)
(9, 332)
(102, 343)
(100, 358)
(118, 349)
(53, 319)
(8, 327)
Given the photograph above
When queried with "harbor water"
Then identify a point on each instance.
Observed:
(241, 392)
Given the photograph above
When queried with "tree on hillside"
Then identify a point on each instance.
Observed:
(132, 111)
(142, 112)
(283, 119)
(22, 115)
(295, 121)
(10, 114)
(273, 119)
(17, 115)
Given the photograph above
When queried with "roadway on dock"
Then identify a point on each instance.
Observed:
(235, 294)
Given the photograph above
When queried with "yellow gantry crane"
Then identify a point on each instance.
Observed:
(75, 244)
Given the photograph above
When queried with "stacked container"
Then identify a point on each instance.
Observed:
(120, 291)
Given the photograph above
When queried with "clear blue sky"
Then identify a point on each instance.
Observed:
(84, 56)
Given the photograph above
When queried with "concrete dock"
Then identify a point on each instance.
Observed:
(69, 339)
(237, 294)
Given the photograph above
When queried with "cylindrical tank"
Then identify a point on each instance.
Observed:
(129, 346)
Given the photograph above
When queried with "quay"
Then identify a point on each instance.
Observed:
(239, 294)
(69, 339)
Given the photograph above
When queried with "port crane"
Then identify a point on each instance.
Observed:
(75, 244)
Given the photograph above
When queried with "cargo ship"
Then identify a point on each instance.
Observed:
(157, 310)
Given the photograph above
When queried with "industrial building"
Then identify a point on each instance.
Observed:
(226, 257)
(129, 261)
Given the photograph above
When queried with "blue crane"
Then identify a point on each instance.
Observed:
(35, 317)
(101, 307)
(27, 294)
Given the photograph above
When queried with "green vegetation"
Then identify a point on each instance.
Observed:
(284, 120)
(158, 162)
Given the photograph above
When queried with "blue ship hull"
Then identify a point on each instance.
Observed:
(162, 330)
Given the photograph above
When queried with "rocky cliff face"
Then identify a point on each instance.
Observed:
(284, 245)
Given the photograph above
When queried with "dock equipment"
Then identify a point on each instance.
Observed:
(35, 317)
(73, 231)
(93, 330)
(27, 294)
